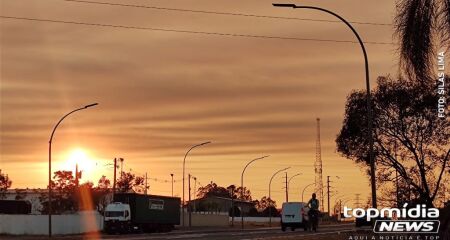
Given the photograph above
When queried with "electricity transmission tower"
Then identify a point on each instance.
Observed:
(318, 168)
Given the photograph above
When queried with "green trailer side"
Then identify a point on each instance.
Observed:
(151, 209)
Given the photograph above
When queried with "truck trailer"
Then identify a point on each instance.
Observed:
(132, 212)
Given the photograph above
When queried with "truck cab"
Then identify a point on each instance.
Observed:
(117, 217)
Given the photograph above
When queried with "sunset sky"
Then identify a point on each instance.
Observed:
(161, 92)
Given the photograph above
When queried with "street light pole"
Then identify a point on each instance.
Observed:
(289, 181)
(369, 101)
(270, 197)
(50, 166)
(305, 189)
(184, 167)
(242, 186)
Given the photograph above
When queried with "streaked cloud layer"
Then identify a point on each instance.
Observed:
(162, 92)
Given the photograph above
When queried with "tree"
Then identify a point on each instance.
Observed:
(64, 182)
(410, 140)
(128, 181)
(139, 184)
(419, 25)
(5, 183)
(232, 189)
(264, 203)
(103, 183)
(100, 193)
(64, 198)
(245, 195)
(212, 190)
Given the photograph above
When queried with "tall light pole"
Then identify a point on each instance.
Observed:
(270, 197)
(289, 181)
(50, 166)
(242, 186)
(305, 189)
(369, 104)
(184, 167)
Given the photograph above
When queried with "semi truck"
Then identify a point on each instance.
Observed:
(132, 212)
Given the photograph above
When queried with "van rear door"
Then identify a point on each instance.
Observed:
(292, 212)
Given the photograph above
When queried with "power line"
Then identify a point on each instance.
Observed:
(222, 13)
(187, 31)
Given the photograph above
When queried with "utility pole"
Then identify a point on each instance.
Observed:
(76, 175)
(232, 205)
(286, 186)
(328, 193)
(189, 205)
(171, 175)
(114, 181)
(195, 193)
(121, 166)
(145, 191)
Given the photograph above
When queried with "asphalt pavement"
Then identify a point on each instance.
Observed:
(328, 232)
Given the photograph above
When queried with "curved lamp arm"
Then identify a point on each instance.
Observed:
(76, 110)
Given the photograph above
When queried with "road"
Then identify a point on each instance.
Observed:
(326, 232)
(235, 234)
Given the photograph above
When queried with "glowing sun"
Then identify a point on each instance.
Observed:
(85, 164)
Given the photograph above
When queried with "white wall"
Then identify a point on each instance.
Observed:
(205, 219)
(82, 222)
(257, 219)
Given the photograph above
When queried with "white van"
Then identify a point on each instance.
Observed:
(294, 215)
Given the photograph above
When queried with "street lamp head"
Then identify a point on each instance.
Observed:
(208, 142)
(260, 158)
(91, 105)
(291, 5)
